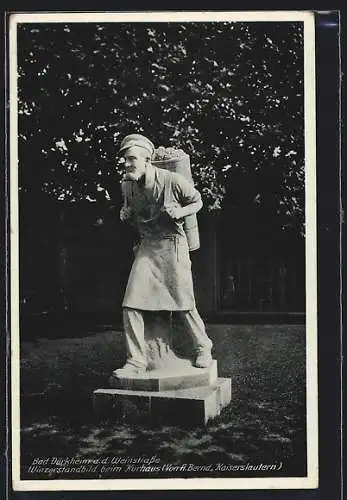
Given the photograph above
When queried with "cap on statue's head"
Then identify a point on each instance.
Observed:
(137, 140)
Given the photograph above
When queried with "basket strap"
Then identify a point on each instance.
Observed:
(168, 194)
(126, 192)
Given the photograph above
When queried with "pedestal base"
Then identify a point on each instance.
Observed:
(177, 374)
(194, 406)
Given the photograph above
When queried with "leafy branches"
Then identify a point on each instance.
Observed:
(229, 94)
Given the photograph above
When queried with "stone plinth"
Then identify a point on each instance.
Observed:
(177, 374)
(194, 406)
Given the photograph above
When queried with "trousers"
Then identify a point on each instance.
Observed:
(134, 329)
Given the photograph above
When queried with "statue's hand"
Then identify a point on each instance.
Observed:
(174, 211)
(125, 213)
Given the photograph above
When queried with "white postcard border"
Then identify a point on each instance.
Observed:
(311, 481)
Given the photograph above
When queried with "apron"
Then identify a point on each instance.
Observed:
(161, 277)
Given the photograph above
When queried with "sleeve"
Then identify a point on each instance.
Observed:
(183, 191)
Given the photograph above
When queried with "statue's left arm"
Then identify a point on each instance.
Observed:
(188, 198)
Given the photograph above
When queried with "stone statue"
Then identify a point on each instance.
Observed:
(156, 202)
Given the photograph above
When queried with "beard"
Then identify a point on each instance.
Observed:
(134, 174)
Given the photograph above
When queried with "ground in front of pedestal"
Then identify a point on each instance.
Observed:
(264, 424)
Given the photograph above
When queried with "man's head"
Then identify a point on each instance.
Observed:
(137, 151)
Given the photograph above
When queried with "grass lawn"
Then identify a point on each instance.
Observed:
(265, 422)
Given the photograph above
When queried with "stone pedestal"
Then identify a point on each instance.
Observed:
(185, 407)
(171, 391)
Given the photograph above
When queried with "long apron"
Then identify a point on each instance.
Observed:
(161, 277)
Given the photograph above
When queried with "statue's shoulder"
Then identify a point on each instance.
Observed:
(165, 174)
(170, 174)
(169, 178)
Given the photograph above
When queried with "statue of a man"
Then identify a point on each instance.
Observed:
(157, 200)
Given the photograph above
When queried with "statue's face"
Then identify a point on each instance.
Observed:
(135, 162)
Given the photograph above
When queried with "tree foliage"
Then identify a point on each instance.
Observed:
(229, 94)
